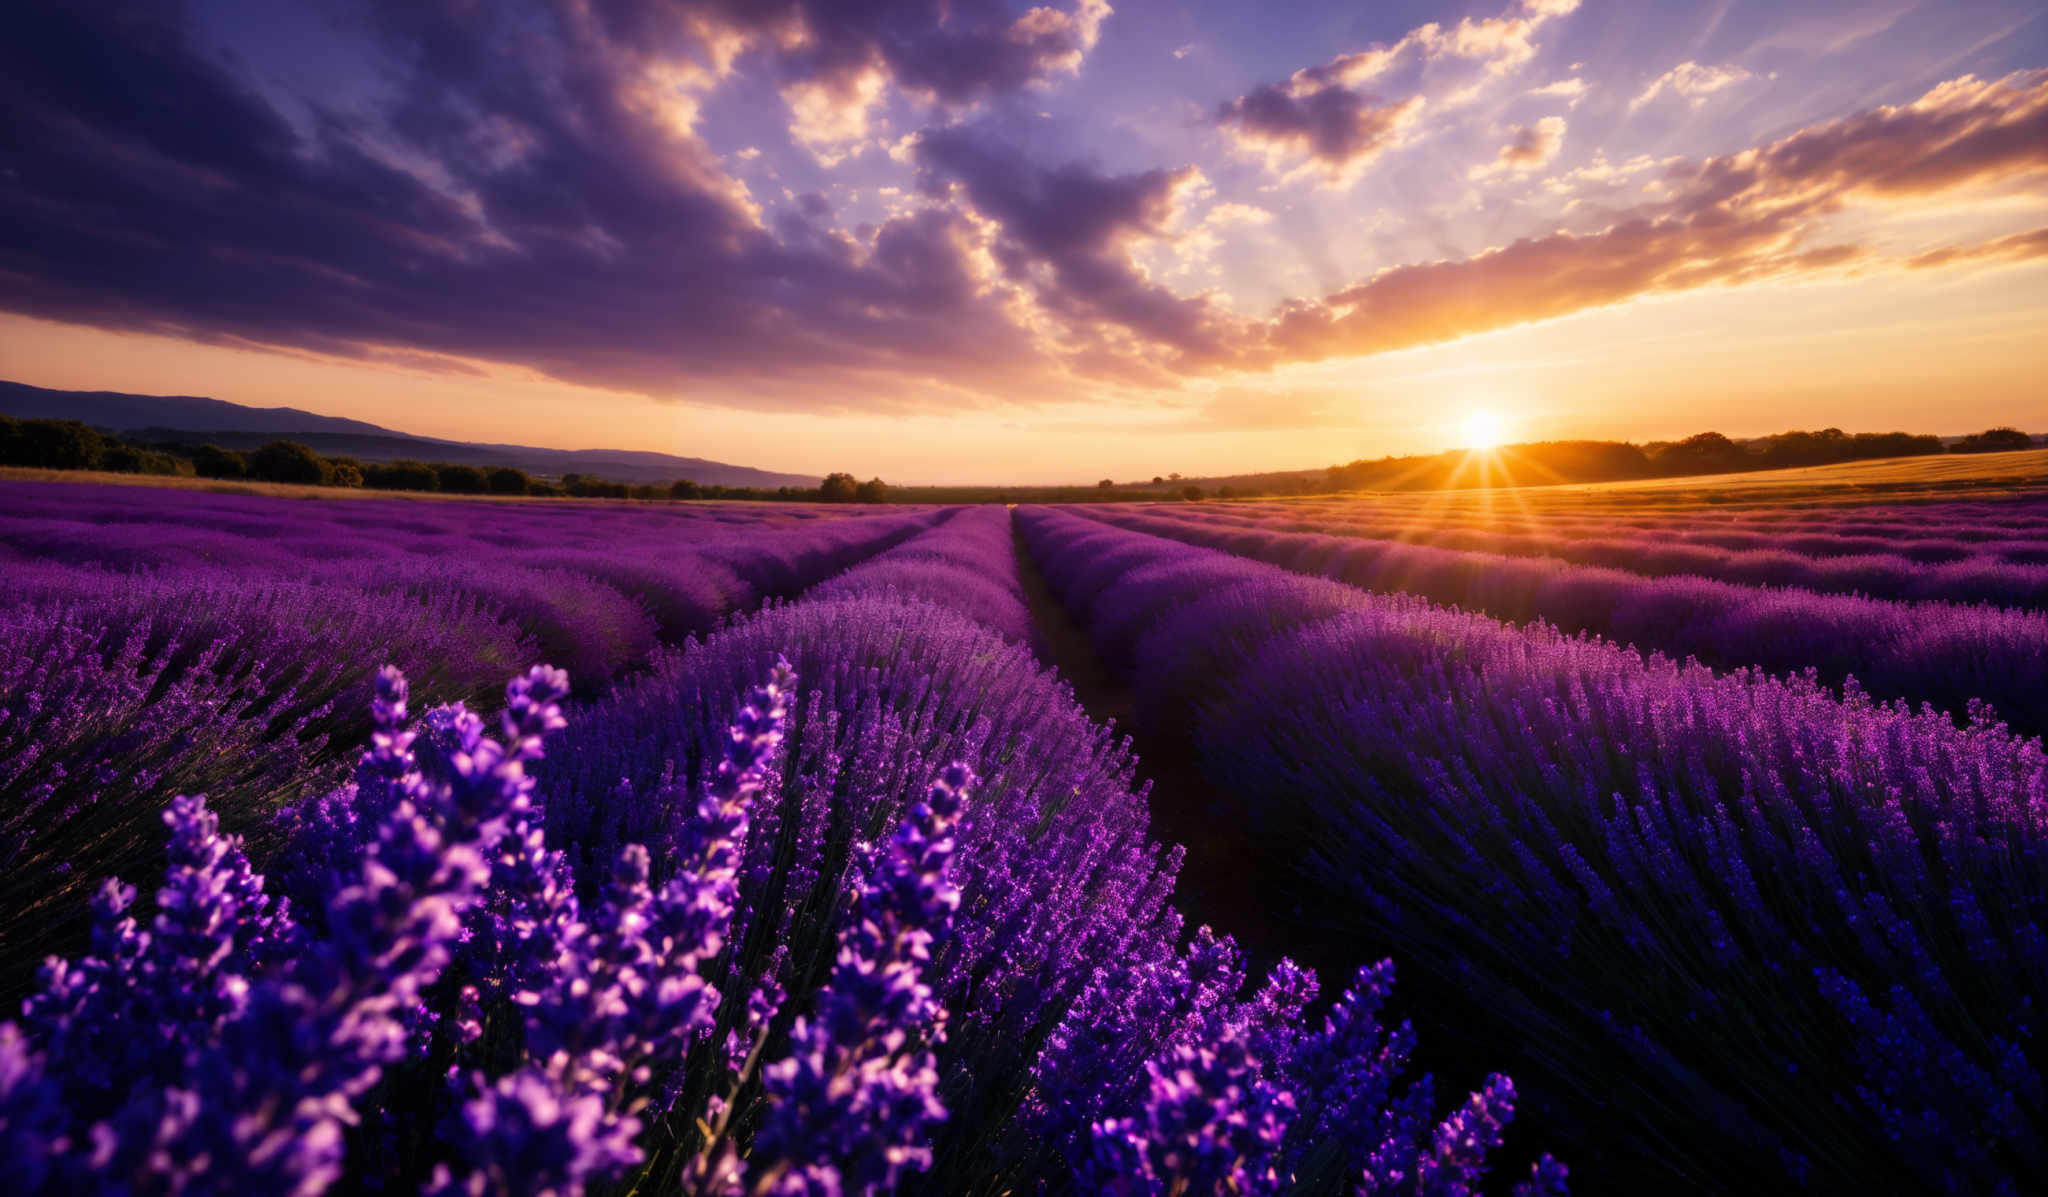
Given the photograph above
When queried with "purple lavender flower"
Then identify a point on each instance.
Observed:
(857, 1095)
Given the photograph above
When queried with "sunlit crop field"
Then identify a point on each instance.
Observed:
(1691, 836)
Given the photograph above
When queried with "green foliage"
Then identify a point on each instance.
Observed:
(287, 461)
(1994, 440)
(51, 445)
(506, 480)
(212, 461)
(586, 486)
(460, 479)
(1701, 453)
(123, 458)
(403, 474)
(839, 488)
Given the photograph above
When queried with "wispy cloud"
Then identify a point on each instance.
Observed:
(1691, 82)
(1572, 89)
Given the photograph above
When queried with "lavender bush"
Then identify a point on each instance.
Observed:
(1950, 655)
(294, 1044)
(1738, 931)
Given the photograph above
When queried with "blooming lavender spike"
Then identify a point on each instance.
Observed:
(1208, 1124)
(854, 1101)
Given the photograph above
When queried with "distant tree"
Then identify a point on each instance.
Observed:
(587, 486)
(1895, 444)
(1173, 477)
(1226, 492)
(506, 480)
(456, 479)
(123, 458)
(403, 474)
(1106, 483)
(1702, 453)
(212, 461)
(545, 490)
(345, 472)
(52, 445)
(874, 490)
(1993, 440)
(1192, 494)
(683, 488)
(647, 490)
(287, 461)
(839, 488)
(1159, 481)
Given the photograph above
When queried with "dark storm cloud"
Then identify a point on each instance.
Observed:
(521, 195)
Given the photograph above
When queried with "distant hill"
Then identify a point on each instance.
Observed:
(190, 419)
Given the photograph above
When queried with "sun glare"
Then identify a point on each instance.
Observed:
(1483, 429)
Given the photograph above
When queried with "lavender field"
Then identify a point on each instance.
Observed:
(1398, 845)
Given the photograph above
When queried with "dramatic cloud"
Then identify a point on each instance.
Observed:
(1528, 147)
(1736, 219)
(630, 195)
(839, 59)
(1321, 118)
(1691, 81)
(954, 51)
(1068, 233)
(533, 190)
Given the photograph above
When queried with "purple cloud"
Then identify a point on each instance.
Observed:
(1067, 234)
(1331, 125)
(524, 196)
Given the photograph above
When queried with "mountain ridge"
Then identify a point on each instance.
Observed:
(198, 419)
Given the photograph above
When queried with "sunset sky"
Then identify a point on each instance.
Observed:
(977, 241)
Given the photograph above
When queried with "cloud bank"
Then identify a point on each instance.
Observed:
(530, 185)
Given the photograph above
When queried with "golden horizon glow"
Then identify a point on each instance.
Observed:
(1865, 355)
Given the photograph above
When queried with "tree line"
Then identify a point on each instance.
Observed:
(1618, 461)
(72, 445)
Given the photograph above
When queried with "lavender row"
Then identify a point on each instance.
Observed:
(967, 564)
(236, 682)
(1934, 571)
(838, 961)
(1979, 520)
(392, 522)
(1959, 658)
(1916, 540)
(1742, 934)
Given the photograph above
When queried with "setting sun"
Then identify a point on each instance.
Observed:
(1484, 429)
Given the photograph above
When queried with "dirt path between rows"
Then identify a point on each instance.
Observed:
(1222, 884)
